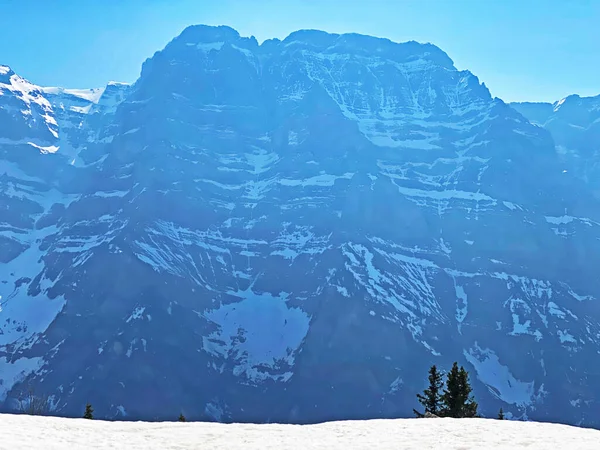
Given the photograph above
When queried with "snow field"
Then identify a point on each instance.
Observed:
(49, 433)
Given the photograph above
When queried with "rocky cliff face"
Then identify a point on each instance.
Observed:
(574, 123)
(292, 231)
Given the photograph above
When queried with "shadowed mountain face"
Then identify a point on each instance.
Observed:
(291, 232)
(574, 123)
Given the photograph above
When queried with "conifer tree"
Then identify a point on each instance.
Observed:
(89, 412)
(501, 414)
(431, 399)
(181, 418)
(457, 398)
(470, 405)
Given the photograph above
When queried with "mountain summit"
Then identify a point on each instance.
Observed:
(291, 232)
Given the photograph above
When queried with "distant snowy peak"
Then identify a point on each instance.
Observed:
(90, 95)
(5, 71)
(118, 84)
(591, 103)
(49, 97)
(21, 88)
(50, 119)
(82, 100)
(574, 123)
(580, 111)
(24, 106)
(112, 95)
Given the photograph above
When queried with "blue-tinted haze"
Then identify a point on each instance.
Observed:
(523, 50)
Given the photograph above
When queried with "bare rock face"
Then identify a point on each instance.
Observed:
(429, 415)
(291, 232)
(574, 123)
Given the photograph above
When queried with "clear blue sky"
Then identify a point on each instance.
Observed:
(529, 50)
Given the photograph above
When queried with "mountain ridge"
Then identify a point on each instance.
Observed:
(574, 123)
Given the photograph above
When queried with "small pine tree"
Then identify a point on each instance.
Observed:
(431, 399)
(501, 414)
(89, 412)
(181, 418)
(457, 398)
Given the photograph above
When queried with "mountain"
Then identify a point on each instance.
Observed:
(574, 123)
(291, 232)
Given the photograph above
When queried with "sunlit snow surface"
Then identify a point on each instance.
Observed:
(32, 433)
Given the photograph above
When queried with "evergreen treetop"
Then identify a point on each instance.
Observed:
(431, 399)
(457, 398)
(89, 412)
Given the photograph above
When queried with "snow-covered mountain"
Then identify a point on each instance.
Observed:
(291, 231)
(574, 123)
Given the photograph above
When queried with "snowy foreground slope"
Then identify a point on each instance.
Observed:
(28, 432)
